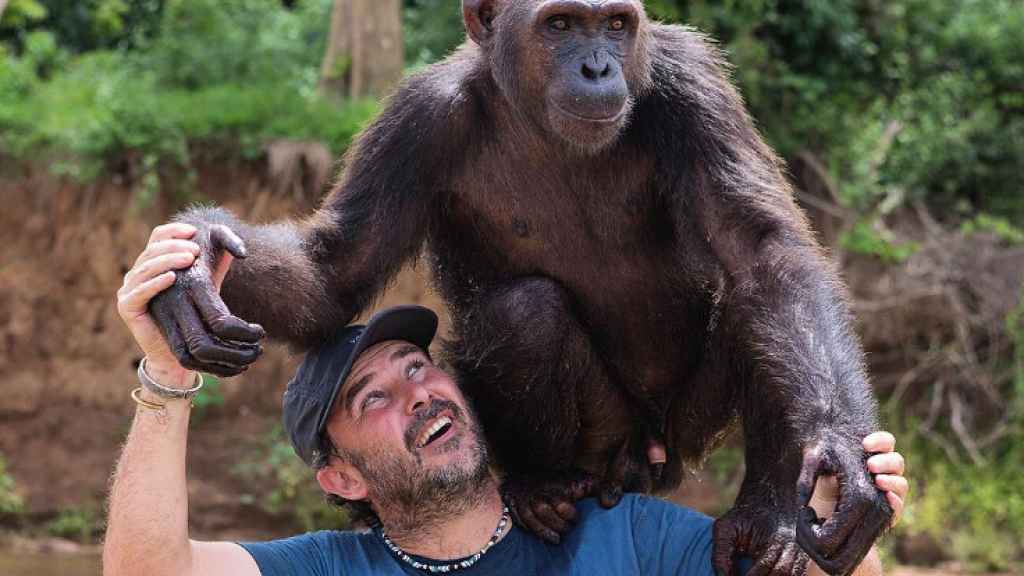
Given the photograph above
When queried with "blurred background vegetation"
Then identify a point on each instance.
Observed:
(902, 120)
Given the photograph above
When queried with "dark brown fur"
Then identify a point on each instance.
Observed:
(660, 286)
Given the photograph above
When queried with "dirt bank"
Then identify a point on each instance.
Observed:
(67, 362)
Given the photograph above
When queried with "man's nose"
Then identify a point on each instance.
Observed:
(418, 398)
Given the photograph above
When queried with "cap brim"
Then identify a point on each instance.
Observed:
(414, 324)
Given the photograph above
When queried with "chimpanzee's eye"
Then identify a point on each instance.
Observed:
(617, 24)
(560, 23)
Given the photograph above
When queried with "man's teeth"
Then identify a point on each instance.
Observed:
(429, 432)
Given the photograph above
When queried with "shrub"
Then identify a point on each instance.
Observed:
(81, 524)
(11, 503)
(294, 492)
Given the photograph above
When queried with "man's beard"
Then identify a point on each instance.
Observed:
(408, 496)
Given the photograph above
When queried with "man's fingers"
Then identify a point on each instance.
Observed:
(167, 247)
(897, 507)
(156, 266)
(133, 302)
(888, 463)
(172, 230)
(890, 483)
(879, 442)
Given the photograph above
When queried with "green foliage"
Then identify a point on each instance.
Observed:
(101, 106)
(864, 238)
(83, 25)
(432, 29)
(1015, 329)
(20, 13)
(82, 524)
(976, 513)
(214, 42)
(903, 99)
(294, 493)
(1000, 227)
(11, 503)
(209, 395)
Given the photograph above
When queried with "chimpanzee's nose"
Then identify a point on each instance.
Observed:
(597, 67)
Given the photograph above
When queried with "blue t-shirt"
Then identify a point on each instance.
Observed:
(642, 535)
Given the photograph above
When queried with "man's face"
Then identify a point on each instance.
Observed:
(403, 424)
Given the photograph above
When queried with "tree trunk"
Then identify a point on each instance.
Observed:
(3, 4)
(365, 54)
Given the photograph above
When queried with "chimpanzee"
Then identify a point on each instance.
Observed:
(626, 269)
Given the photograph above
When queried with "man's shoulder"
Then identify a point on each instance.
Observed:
(313, 553)
(640, 507)
(645, 534)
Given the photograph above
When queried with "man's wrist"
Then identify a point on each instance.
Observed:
(170, 376)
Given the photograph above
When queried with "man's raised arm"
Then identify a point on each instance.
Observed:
(147, 528)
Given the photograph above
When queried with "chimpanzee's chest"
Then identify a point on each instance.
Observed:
(602, 230)
(567, 218)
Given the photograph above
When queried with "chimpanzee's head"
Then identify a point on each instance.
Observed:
(572, 66)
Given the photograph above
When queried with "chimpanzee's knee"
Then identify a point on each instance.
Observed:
(532, 315)
(519, 355)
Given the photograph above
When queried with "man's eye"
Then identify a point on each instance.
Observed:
(413, 368)
(372, 398)
(559, 23)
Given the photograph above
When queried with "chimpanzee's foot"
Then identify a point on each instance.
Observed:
(547, 506)
(636, 466)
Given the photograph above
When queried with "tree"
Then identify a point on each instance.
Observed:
(3, 4)
(364, 54)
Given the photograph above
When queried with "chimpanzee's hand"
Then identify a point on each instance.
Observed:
(765, 531)
(202, 333)
(547, 506)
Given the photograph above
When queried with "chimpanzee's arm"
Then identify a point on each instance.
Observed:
(805, 399)
(303, 280)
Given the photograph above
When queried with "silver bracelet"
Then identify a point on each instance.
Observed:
(165, 392)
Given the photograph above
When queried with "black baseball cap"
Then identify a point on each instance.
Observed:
(312, 391)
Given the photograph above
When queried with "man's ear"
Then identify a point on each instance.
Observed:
(342, 480)
(478, 15)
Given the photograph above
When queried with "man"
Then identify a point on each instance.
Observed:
(388, 431)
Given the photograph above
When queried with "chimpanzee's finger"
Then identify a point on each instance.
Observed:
(223, 237)
(546, 514)
(566, 510)
(765, 564)
(209, 351)
(528, 519)
(724, 535)
(221, 321)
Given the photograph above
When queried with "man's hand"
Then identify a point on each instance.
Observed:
(888, 467)
(169, 249)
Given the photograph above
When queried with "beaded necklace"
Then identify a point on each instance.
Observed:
(454, 566)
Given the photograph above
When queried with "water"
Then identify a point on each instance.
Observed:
(22, 564)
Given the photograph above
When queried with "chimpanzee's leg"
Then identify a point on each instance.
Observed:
(527, 364)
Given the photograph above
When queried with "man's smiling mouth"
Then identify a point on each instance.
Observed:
(437, 429)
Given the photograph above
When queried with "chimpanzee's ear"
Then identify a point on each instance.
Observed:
(478, 16)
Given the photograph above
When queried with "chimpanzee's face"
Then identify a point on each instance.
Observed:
(576, 65)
